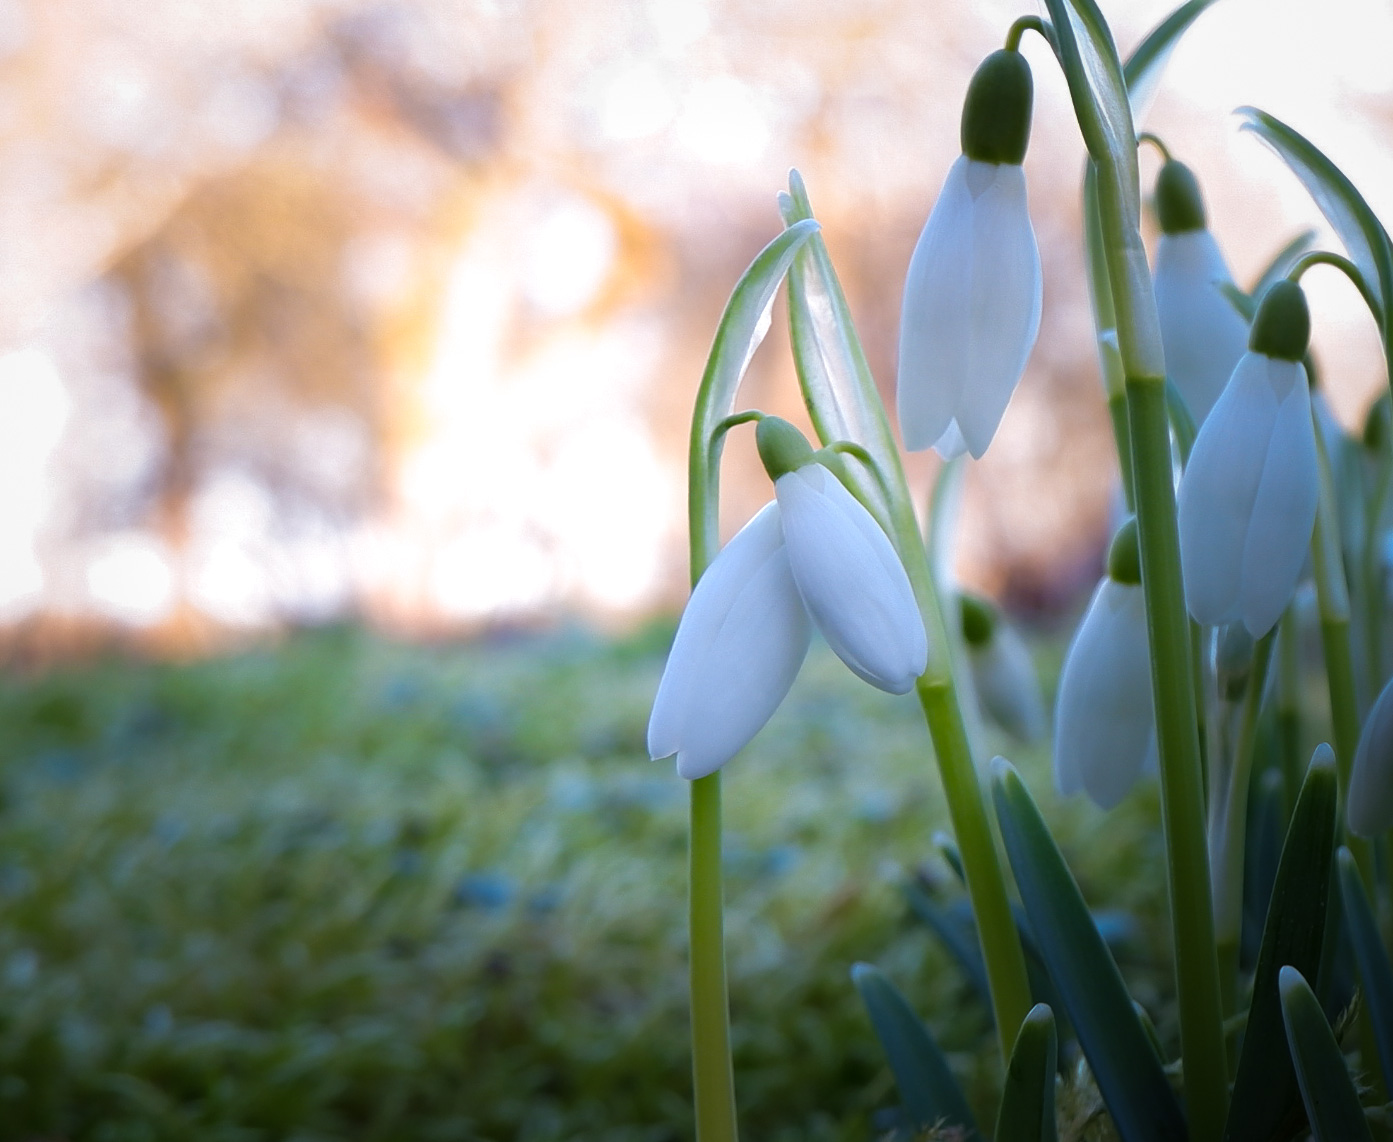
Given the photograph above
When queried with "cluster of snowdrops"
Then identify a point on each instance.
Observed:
(1239, 488)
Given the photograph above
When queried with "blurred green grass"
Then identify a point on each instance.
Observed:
(346, 889)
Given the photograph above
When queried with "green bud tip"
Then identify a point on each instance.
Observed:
(1124, 554)
(1377, 424)
(996, 112)
(978, 619)
(1282, 327)
(1178, 201)
(782, 448)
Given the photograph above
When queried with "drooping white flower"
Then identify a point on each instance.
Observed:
(816, 555)
(1003, 675)
(1370, 808)
(851, 579)
(1202, 334)
(1247, 500)
(738, 648)
(1105, 724)
(972, 296)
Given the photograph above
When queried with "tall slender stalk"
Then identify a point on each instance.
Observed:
(1168, 627)
(712, 1072)
(938, 688)
(1182, 794)
(1228, 835)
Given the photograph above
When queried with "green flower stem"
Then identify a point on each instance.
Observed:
(1228, 832)
(1019, 29)
(996, 927)
(1182, 792)
(1332, 600)
(938, 689)
(1371, 570)
(712, 1072)
(1333, 603)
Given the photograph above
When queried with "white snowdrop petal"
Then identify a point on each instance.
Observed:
(1004, 678)
(1284, 511)
(933, 357)
(1104, 724)
(1202, 334)
(951, 444)
(1218, 490)
(851, 580)
(738, 648)
(1370, 809)
(1005, 303)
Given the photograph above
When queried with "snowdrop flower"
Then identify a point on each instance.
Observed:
(738, 648)
(1002, 674)
(1370, 808)
(1105, 725)
(971, 307)
(1247, 502)
(814, 556)
(1202, 334)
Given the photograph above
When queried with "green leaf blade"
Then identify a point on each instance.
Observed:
(1143, 68)
(1266, 1098)
(742, 327)
(1350, 216)
(931, 1095)
(1027, 1099)
(1129, 1076)
(1375, 973)
(1332, 1104)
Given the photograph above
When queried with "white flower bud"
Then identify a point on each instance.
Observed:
(971, 310)
(851, 580)
(1247, 501)
(738, 648)
(1105, 725)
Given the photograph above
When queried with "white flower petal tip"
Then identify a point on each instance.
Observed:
(738, 648)
(1247, 501)
(1370, 809)
(971, 310)
(1202, 334)
(851, 580)
(1105, 726)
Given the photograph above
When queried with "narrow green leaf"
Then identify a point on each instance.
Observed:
(1266, 1101)
(742, 327)
(1332, 1104)
(1143, 68)
(1027, 1099)
(1263, 855)
(1343, 206)
(958, 934)
(1129, 1076)
(835, 377)
(1375, 973)
(1097, 87)
(931, 1095)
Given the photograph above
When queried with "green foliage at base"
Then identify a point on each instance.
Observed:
(345, 889)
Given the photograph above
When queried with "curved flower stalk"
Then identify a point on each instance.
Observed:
(1105, 721)
(1202, 334)
(1003, 676)
(1248, 498)
(1370, 808)
(814, 556)
(972, 296)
